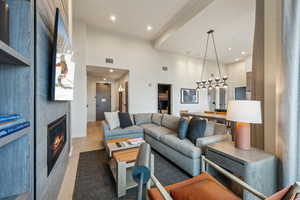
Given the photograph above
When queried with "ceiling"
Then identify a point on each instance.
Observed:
(233, 22)
(179, 26)
(132, 16)
(104, 73)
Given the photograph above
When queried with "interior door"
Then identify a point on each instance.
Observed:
(103, 100)
(126, 96)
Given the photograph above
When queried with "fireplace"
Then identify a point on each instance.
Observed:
(57, 137)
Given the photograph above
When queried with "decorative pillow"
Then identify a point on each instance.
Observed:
(156, 118)
(196, 129)
(206, 189)
(170, 122)
(112, 119)
(143, 118)
(183, 128)
(125, 120)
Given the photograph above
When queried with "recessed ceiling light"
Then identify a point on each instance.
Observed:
(243, 52)
(111, 70)
(113, 18)
(229, 49)
(104, 79)
(237, 59)
(149, 28)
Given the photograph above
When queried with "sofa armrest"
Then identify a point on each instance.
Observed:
(204, 141)
(105, 128)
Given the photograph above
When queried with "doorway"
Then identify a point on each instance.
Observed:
(103, 100)
(164, 98)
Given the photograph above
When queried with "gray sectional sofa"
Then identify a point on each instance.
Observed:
(160, 131)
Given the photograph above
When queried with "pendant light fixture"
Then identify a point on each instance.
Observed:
(211, 83)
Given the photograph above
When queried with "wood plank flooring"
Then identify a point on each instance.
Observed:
(93, 141)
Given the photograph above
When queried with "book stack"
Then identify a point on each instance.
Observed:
(136, 141)
(12, 123)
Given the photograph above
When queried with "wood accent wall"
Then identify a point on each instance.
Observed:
(257, 131)
(47, 9)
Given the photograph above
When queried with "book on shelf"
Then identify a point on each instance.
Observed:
(7, 124)
(13, 129)
(9, 117)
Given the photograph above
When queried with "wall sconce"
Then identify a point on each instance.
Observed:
(121, 89)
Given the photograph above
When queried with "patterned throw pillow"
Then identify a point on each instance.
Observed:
(112, 119)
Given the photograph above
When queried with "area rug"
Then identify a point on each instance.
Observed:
(94, 180)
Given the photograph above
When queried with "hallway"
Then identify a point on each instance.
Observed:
(93, 141)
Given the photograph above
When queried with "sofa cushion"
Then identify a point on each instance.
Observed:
(210, 128)
(112, 119)
(196, 129)
(128, 130)
(183, 128)
(170, 122)
(125, 120)
(143, 118)
(184, 146)
(157, 131)
(156, 118)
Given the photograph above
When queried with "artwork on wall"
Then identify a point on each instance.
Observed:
(189, 96)
(63, 67)
(4, 22)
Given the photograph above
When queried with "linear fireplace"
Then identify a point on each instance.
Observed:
(57, 137)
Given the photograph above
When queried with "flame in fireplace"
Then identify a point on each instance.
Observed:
(57, 142)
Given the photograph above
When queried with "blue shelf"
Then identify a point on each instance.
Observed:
(24, 196)
(12, 137)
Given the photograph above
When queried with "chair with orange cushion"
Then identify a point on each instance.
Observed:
(202, 187)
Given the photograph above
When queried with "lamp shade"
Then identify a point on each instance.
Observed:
(244, 111)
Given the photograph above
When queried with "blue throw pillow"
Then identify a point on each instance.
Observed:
(183, 128)
(196, 129)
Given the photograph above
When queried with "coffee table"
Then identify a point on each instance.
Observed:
(111, 145)
(121, 163)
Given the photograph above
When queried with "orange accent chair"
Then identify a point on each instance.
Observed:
(200, 187)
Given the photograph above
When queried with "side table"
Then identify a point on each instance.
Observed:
(256, 167)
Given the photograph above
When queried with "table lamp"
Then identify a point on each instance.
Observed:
(244, 113)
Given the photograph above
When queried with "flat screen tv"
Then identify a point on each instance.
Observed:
(63, 67)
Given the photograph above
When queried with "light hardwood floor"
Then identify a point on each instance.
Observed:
(93, 141)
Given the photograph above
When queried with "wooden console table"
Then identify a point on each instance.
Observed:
(208, 116)
(256, 167)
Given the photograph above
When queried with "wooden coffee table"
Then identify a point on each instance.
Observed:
(121, 163)
(111, 145)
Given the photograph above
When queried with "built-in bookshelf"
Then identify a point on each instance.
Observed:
(12, 137)
(11, 57)
(17, 96)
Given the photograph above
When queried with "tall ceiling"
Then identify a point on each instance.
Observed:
(132, 16)
(179, 26)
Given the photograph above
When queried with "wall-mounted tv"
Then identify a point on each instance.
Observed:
(63, 67)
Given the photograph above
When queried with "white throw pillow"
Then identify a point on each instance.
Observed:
(112, 119)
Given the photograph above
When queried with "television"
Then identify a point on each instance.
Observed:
(63, 67)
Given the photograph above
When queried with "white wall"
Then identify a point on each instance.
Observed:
(144, 63)
(78, 105)
(236, 73)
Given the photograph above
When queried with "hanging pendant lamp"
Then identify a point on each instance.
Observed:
(211, 83)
